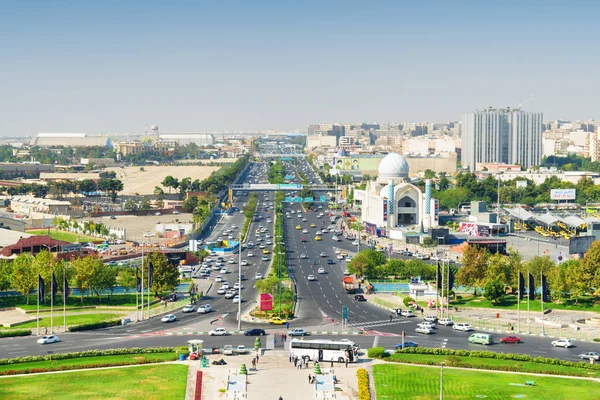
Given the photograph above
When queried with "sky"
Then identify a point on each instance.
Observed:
(197, 66)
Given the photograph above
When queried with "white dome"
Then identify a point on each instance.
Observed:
(393, 166)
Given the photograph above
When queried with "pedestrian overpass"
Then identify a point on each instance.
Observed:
(268, 187)
(278, 155)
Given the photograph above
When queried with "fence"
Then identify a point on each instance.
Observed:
(525, 328)
(163, 309)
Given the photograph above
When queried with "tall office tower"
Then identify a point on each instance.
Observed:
(502, 136)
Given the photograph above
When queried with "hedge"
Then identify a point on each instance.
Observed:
(87, 353)
(363, 384)
(20, 332)
(95, 325)
(498, 356)
(376, 352)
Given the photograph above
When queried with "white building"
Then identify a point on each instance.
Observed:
(185, 138)
(392, 202)
(502, 136)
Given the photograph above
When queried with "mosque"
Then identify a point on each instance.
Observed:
(392, 205)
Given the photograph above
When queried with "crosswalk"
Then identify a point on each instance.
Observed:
(373, 324)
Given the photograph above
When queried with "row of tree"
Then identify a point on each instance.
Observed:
(87, 227)
(89, 274)
(375, 265)
(63, 188)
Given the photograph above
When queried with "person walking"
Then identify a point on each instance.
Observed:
(291, 356)
(274, 341)
(309, 378)
(391, 318)
(287, 325)
(257, 359)
(254, 364)
(346, 362)
(295, 361)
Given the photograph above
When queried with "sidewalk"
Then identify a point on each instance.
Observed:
(276, 376)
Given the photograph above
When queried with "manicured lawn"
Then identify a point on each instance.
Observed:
(64, 236)
(71, 320)
(154, 382)
(492, 362)
(510, 303)
(116, 359)
(418, 383)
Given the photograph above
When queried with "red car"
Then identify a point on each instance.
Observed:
(510, 339)
(303, 239)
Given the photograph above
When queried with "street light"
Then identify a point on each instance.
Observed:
(442, 380)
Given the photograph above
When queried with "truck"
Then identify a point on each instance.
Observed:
(349, 284)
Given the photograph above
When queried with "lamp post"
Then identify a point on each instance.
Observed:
(442, 380)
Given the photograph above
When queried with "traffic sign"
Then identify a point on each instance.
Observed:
(323, 199)
(288, 199)
(308, 199)
(344, 312)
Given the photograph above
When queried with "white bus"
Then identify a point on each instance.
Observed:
(325, 350)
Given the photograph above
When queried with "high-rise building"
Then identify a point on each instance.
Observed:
(507, 136)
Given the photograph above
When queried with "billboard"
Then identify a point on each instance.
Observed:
(356, 163)
(474, 229)
(266, 302)
(562, 194)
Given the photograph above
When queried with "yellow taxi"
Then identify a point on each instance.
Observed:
(298, 227)
(344, 254)
(265, 251)
(313, 225)
(277, 321)
(318, 238)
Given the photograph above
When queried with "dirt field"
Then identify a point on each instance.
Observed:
(143, 182)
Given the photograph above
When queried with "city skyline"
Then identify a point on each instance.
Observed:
(107, 68)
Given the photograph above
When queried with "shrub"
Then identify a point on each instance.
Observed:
(94, 325)
(183, 350)
(376, 352)
(20, 332)
(407, 300)
(363, 384)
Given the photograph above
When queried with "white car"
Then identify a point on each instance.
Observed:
(223, 270)
(562, 343)
(431, 318)
(258, 275)
(231, 261)
(312, 278)
(303, 256)
(244, 263)
(304, 231)
(340, 257)
(269, 243)
(237, 286)
(463, 327)
(265, 258)
(48, 339)
(355, 243)
(204, 309)
(427, 324)
(321, 270)
(337, 251)
(251, 254)
(219, 279)
(445, 322)
(225, 285)
(218, 332)
(297, 332)
(221, 291)
(168, 318)
(230, 294)
(237, 299)
(241, 349)
(424, 329)
(188, 308)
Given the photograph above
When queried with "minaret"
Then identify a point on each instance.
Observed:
(427, 213)
(391, 220)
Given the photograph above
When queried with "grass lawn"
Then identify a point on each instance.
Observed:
(492, 362)
(510, 303)
(64, 236)
(144, 382)
(120, 300)
(71, 320)
(418, 383)
(157, 357)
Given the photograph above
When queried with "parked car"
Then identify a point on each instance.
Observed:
(406, 345)
(446, 322)
(241, 349)
(188, 308)
(297, 332)
(510, 339)
(463, 327)
(590, 355)
(48, 339)
(254, 332)
(562, 343)
(228, 350)
(168, 318)
(218, 332)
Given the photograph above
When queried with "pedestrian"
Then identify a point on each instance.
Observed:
(285, 337)
(295, 361)
(391, 318)
(300, 364)
(309, 378)
(254, 363)
(257, 359)
(291, 356)
(346, 362)
(280, 398)
(422, 311)
(287, 325)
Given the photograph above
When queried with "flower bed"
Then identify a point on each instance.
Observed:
(363, 384)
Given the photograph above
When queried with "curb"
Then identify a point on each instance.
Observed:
(242, 332)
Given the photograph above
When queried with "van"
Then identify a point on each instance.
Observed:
(481, 338)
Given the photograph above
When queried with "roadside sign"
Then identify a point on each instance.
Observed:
(323, 199)
(344, 312)
(308, 199)
(297, 199)
(288, 199)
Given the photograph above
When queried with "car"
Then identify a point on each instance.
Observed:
(305, 231)
(258, 275)
(265, 258)
(157, 213)
(355, 243)
(510, 339)
(48, 339)
(225, 285)
(237, 286)
(445, 322)
(168, 318)
(313, 225)
(204, 309)
(237, 299)
(427, 324)
(321, 270)
(297, 332)
(241, 349)
(219, 279)
(462, 327)
(221, 291)
(319, 232)
(590, 355)
(303, 239)
(269, 243)
(188, 308)
(330, 261)
(223, 270)
(562, 343)
(318, 238)
(231, 261)
(323, 254)
(422, 257)
(228, 350)
(261, 246)
(424, 329)
(251, 254)
(298, 227)
(244, 263)
(303, 256)
(431, 318)
(255, 332)
(399, 346)
(407, 313)
(277, 321)
(265, 251)
(340, 257)
(218, 332)
(337, 251)
(360, 297)
(312, 278)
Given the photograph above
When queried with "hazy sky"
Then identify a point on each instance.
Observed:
(115, 66)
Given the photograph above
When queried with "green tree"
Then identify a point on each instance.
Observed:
(24, 275)
(494, 291)
(103, 277)
(126, 278)
(472, 272)
(165, 277)
(83, 271)
(170, 182)
(498, 269)
(130, 205)
(268, 285)
(111, 186)
(145, 203)
(6, 271)
(589, 274)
